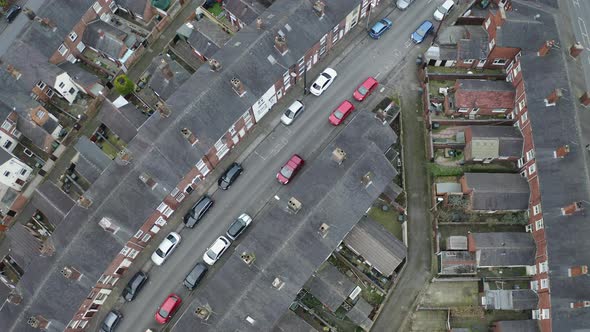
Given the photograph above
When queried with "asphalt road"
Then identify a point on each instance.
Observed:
(579, 13)
(9, 32)
(257, 185)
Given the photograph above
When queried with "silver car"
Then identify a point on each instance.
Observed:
(403, 4)
(292, 112)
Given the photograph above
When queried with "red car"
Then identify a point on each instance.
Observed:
(365, 89)
(290, 169)
(168, 308)
(341, 113)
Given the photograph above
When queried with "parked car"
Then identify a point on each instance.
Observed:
(12, 13)
(323, 81)
(443, 10)
(197, 212)
(214, 252)
(423, 30)
(194, 277)
(341, 113)
(134, 286)
(166, 248)
(229, 176)
(290, 169)
(168, 308)
(403, 4)
(238, 226)
(365, 89)
(292, 112)
(380, 27)
(110, 321)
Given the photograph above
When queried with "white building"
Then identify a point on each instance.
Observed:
(13, 172)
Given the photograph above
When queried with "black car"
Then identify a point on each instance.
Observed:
(230, 175)
(198, 211)
(110, 322)
(134, 286)
(194, 277)
(12, 13)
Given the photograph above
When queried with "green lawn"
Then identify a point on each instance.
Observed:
(215, 9)
(439, 170)
(452, 70)
(388, 219)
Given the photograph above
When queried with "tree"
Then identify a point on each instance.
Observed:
(124, 85)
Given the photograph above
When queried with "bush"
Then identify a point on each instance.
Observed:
(124, 85)
(438, 170)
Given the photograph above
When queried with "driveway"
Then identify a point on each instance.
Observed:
(307, 136)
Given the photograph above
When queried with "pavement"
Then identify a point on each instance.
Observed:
(354, 59)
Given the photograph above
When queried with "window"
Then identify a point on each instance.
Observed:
(523, 173)
(73, 36)
(500, 62)
(543, 267)
(468, 61)
(7, 144)
(530, 155)
(49, 93)
(202, 167)
(102, 279)
(516, 70)
(96, 6)
(62, 49)
(160, 221)
(138, 234)
(528, 228)
(487, 22)
(499, 110)
(6, 173)
(125, 251)
(41, 85)
(112, 5)
(523, 118)
(72, 91)
(492, 44)
(544, 283)
(544, 314)
(6, 125)
(146, 238)
(536, 209)
(61, 85)
(133, 253)
(463, 110)
(162, 207)
(534, 285)
(23, 171)
(532, 169)
(539, 224)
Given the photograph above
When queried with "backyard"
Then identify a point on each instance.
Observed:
(388, 218)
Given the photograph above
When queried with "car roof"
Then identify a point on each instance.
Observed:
(378, 26)
(296, 159)
(295, 106)
(448, 3)
(111, 317)
(425, 24)
(219, 244)
(368, 82)
(345, 105)
(169, 302)
(203, 201)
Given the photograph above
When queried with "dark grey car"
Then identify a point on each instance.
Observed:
(134, 286)
(198, 211)
(229, 176)
(12, 13)
(194, 277)
(110, 322)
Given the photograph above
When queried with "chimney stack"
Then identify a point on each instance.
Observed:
(324, 229)
(338, 155)
(248, 257)
(190, 137)
(148, 180)
(561, 151)
(294, 205)
(38, 322)
(166, 70)
(572, 208)
(585, 99)
(203, 313)
(214, 65)
(71, 273)
(546, 47)
(580, 304)
(576, 49)
(259, 23)
(15, 73)
(552, 99)
(238, 86)
(281, 44)
(278, 283)
(15, 298)
(84, 202)
(164, 110)
(367, 179)
(575, 271)
(318, 8)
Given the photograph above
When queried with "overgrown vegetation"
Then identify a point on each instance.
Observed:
(124, 85)
(439, 170)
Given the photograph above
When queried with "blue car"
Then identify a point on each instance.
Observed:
(423, 30)
(380, 27)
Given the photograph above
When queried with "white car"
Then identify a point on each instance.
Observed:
(292, 112)
(215, 251)
(443, 10)
(166, 248)
(323, 81)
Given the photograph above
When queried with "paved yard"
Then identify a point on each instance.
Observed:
(450, 294)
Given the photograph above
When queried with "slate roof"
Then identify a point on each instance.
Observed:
(376, 245)
(91, 161)
(162, 84)
(63, 15)
(505, 141)
(330, 286)
(498, 191)
(503, 248)
(529, 325)
(293, 253)
(561, 181)
(138, 7)
(205, 36)
(291, 322)
(475, 45)
(359, 314)
(31, 64)
(5, 156)
(511, 299)
(457, 262)
(441, 52)
(484, 93)
(106, 38)
(245, 10)
(79, 74)
(124, 121)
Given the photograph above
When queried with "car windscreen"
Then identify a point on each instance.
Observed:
(171, 238)
(442, 9)
(286, 172)
(163, 312)
(338, 115)
(160, 253)
(211, 254)
(316, 86)
(235, 228)
(362, 90)
(422, 30)
(328, 77)
(289, 114)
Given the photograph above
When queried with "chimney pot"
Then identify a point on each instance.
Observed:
(546, 47)
(238, 86)
(318, 8)
(214, 65)
(248, 257)
(38, 322)
(561, 151)
(576, 49)
(15, 298)
(552, 99)
(281, 44)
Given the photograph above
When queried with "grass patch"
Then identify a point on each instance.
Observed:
(451, 70)
(388, 219)
(439, 170)
(435, 85)
(215, 9)
(372, 296)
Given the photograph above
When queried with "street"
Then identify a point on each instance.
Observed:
(365, 57)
